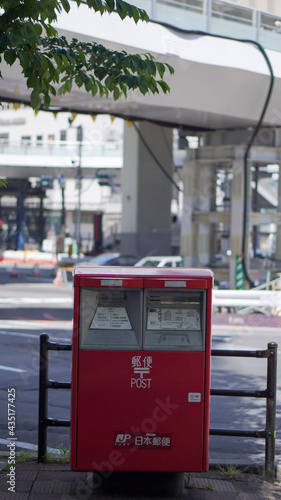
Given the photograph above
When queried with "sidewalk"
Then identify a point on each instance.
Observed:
(55, 481)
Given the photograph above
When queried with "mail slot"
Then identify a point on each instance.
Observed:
(141, 369)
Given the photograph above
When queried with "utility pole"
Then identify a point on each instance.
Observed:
(79, 184)
(62, 186)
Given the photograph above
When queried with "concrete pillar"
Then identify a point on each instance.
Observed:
(146, 191)
(199, 196)
(206, 203)
(236, 217)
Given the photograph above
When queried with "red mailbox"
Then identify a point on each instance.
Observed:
(141, 369)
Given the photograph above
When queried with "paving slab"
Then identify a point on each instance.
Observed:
(55, 481)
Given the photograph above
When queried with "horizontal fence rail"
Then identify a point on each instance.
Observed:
(269, 394)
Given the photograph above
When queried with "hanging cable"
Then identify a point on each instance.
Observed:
(170, 151)
(256, 128)
(246, 156)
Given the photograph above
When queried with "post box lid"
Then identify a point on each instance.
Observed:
(139, 277)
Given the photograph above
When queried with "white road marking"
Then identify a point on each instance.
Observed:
(238, 328)
(10, 369)
(30, 336)
(35, 325)
(36, 300)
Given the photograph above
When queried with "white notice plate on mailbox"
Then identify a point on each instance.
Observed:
(194, 397)
(111, 318)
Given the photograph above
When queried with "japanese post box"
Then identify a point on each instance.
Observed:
(141, 369)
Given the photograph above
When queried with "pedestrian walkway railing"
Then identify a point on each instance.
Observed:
(247, 301)
(217, 17)
(269, 394)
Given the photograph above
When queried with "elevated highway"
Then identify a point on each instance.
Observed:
(218, 83)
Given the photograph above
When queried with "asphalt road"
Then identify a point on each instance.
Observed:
(30, 306)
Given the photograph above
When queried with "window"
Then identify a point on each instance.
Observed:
(26, 140)
(63, 135)
(39, 140)
(4, 138)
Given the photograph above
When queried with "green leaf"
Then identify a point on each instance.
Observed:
(10, 57)
(88, 84)
(131, 82)
(65, 5)
(38, 29)
(58, 60)
(170, 68)
(65, 59)
(24, 60)
(35, 100)
(68, 85)
(152, 67)
(45, 63)
(134, 13)
(108, 82)
(82, 56)
(78, 81)
(124, 89)
(160, 69)
(94, 89)
(111, 4)
(121, 8)
(142, 84)
(52, 90)
(62, 90)
(31, 81)
(143, 15)
(100, 73)
(116, 93)
(50, 30)
(3, 182)
(135, 65)
(47, 101)
(164, 86)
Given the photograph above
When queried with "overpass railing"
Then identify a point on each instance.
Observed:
(217, 17)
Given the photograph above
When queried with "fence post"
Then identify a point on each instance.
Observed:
(43, 397)
(271, 412)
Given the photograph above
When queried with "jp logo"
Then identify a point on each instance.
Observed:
(121, 439)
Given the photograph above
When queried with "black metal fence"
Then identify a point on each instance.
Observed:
(45, 384)
(269, 394)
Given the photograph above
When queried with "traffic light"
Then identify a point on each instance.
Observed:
(108, 180)
(105, 180)
(47, 182)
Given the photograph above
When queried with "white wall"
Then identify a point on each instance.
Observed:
(271, 6)
(24, 122)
